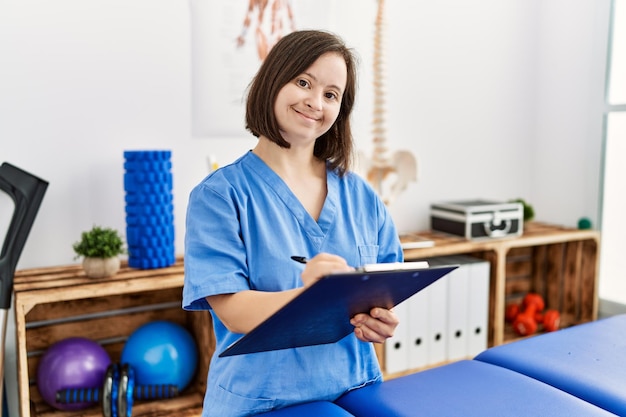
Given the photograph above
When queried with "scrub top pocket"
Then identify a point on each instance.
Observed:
(368, 254)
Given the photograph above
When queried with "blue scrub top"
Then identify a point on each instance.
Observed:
(243, 224)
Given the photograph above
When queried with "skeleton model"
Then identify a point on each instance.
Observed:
(388, 174)
(281, 23)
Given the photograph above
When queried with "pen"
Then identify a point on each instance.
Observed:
(300, 259)
(378, 267)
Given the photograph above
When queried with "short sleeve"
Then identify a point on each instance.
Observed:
(215, 256)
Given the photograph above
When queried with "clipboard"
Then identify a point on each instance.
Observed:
(322, 313)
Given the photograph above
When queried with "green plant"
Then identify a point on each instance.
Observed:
(529, 212)
(99, 243)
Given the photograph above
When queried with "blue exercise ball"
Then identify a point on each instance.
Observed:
(161, 353)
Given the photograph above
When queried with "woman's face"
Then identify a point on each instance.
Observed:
(308, 105)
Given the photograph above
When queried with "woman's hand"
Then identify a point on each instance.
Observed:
(322, 265)
(377, 326)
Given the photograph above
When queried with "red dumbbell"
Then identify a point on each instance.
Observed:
(551, 320)
(511, 312)
(526, 322)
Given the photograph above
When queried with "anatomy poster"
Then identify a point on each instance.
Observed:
(230, 38)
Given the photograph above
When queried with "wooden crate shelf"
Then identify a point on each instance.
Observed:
(557, 262)
(52, 304)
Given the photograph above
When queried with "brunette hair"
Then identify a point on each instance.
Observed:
(289, 58)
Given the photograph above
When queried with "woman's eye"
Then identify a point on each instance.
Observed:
(303, 83)
(331, 96)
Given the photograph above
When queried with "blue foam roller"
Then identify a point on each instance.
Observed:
(149, 209)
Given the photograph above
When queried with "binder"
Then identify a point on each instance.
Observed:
(458, 308)
(321, 314)
(437, 337)
(396, 357)
(418, 329)
(478, 307)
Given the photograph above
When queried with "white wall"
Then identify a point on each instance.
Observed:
(462, 97)
(570, 88)
(497, 99)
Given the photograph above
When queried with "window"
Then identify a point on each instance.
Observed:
(613, 201)
(616, 86)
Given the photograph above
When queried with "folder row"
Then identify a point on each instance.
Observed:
(446, 321)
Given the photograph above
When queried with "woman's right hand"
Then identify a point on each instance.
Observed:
(322, 265)
(234, 309)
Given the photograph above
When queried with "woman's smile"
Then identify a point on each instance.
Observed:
(306, 116)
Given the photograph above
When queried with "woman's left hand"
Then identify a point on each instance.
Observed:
(377, 326)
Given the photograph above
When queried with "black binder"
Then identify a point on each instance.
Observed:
(322, 313)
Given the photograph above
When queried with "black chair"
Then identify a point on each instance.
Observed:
(26, 191)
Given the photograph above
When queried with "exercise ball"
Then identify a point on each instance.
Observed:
(75, 362)
(161, 353)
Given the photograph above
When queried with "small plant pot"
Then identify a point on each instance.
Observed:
(101, 267)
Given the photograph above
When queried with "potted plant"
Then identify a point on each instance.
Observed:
(529, 211)
(100, 247)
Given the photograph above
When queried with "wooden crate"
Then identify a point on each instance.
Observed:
(559, 263)
(562, 273)
(52, 304)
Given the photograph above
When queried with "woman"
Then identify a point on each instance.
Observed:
(293, 194)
